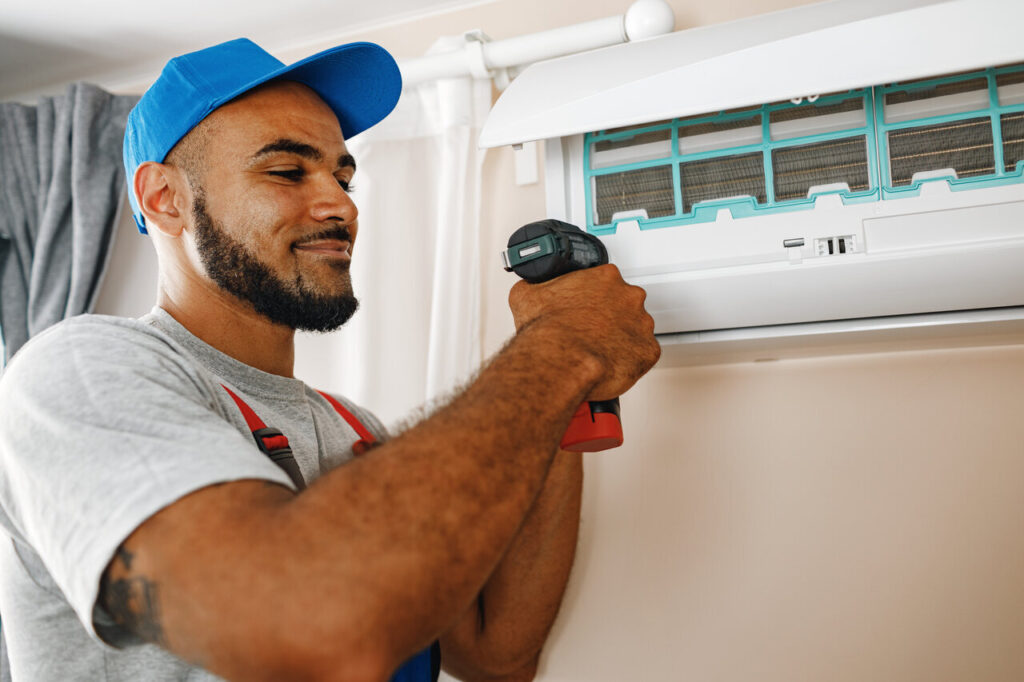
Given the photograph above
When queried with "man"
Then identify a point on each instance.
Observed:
(153, 537)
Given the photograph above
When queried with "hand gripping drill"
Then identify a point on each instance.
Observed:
(541, 251)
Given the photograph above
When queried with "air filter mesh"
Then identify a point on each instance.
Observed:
(646, 188)
(940, 90)
(965, 146)
(728, 176)
(1013, 139)
(798, 113)
(797, 169)
(1011, 78)
(642, 138)
(710, 127)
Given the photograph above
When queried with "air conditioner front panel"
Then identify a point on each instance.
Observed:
(742, 202)
(861, 287)
(809, 50)
(957, 251)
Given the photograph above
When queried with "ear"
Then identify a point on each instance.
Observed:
(158, 188)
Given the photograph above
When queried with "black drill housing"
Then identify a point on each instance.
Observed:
(545, 249)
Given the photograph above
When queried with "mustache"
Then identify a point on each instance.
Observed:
(339, 232)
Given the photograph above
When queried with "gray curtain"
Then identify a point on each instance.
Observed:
(61, 191)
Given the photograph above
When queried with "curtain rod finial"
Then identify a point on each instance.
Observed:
(648, 18)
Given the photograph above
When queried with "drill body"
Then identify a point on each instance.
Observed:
(539, 252)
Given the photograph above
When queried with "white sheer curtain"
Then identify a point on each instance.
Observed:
(416, 268)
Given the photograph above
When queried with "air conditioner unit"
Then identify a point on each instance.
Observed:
(844, 172)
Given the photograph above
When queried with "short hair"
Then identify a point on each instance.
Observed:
(189, 153)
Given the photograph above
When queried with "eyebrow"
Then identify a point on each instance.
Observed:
(302, 149)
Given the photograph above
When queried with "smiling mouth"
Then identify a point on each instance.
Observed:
(328, 247)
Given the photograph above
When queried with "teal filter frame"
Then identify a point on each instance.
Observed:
(993, 113)
(874, 133)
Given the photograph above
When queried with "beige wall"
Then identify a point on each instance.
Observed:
(846, 519)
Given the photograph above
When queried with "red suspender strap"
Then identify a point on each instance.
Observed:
(275, 444)
(256, 424)
(366, 439)
(271, 441)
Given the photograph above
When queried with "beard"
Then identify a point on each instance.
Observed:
(238, 271)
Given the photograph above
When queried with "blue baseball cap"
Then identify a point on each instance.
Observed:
(359, 81)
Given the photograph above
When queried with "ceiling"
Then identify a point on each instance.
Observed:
(45, 44)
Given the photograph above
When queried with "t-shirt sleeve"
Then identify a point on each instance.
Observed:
(101, 426)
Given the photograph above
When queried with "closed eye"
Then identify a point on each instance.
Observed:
(293, 174)
(296, 174)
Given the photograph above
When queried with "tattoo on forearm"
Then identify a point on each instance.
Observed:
(125, 556)
(132, 600)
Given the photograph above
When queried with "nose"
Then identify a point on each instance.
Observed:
(332, 203)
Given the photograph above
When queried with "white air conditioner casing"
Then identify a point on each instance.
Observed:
(928, 255)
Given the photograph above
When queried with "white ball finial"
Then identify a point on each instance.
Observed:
(649, 18)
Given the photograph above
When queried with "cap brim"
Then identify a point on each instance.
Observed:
(360, 82)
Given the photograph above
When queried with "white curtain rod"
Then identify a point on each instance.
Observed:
(482, 58)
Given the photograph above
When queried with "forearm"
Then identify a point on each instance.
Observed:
(385, 553)
(379, 557)
(504, 633)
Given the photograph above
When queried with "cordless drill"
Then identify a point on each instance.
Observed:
(541, 251)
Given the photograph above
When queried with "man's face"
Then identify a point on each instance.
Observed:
(273, 222)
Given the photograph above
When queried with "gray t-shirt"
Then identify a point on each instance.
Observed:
(103, 422)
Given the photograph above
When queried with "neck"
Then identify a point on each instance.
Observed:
(233, 328)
